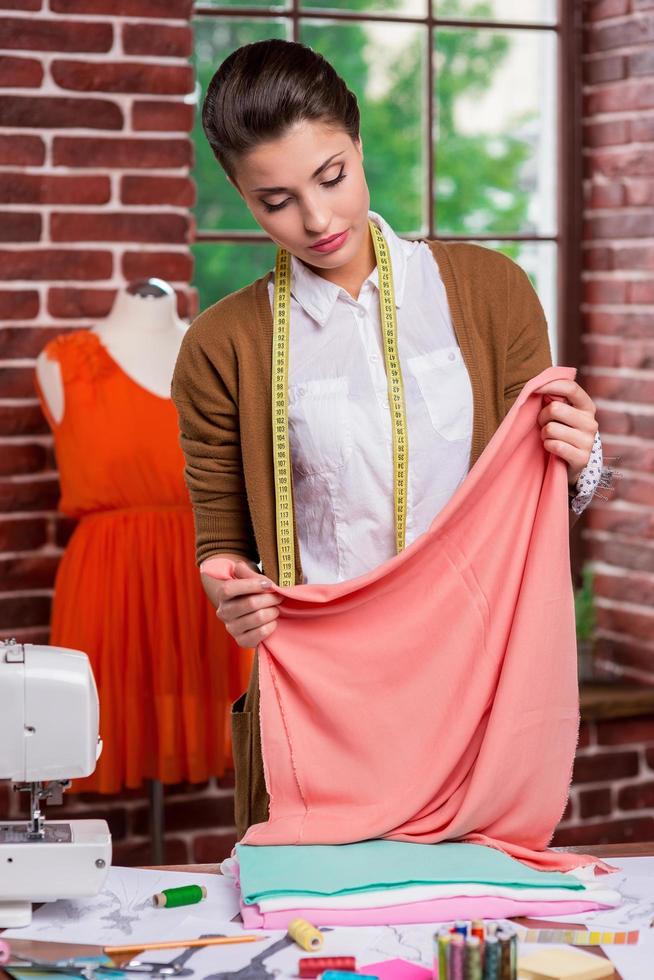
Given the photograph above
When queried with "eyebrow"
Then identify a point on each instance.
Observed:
(316, 173)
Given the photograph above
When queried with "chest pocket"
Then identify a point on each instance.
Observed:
(444, 384)
(319, 427)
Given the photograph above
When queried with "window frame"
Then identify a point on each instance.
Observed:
(567, 239)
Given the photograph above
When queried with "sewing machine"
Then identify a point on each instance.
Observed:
(48, 736)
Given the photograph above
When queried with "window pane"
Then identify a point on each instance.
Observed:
(384, 65)
(219, 206)
(411, 7)
(495, 151)
(222, 268)
(539, 261)
(527, 11)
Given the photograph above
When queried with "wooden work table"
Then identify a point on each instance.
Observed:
(29, 947)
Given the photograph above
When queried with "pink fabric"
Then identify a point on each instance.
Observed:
(437, 910)
(435, 697)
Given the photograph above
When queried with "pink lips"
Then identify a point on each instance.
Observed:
(332, 244)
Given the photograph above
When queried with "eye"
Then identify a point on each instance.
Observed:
(327, 183)
(336, 180)
(274, 207)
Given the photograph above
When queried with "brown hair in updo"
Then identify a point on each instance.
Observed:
(264, 88)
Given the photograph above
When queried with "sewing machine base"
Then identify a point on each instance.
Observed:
(72, 862)
(13, 915)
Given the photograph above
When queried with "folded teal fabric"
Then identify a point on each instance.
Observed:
(340, 869)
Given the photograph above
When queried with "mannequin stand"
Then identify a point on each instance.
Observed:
(157, 821)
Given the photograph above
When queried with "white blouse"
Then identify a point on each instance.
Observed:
(339, 418)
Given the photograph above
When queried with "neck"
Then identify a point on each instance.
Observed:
(155, 314)
(352, 275)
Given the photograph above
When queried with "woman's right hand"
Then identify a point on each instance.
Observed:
(245, 604)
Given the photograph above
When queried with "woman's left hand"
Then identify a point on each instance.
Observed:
(568, 427)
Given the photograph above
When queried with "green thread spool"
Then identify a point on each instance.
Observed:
(172, 898)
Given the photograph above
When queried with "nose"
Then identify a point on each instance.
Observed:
(315, 216)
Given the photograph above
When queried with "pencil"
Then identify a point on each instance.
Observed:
(183, 943)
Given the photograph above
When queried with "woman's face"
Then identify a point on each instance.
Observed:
(297, 206)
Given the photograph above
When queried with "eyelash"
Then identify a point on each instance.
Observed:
(327, 183)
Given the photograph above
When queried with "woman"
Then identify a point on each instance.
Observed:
(471, 331)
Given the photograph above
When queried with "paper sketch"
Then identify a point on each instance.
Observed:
(123, 911)
(635, 882)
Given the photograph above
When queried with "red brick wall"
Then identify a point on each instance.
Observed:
(612, 798)
(618, 318)
(95, 190)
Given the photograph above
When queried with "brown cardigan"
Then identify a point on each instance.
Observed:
(221, 388)
(222, 391)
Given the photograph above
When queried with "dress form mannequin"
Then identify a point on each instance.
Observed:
(142, 333)
(127, 589)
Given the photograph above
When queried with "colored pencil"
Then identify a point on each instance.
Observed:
(183, 944)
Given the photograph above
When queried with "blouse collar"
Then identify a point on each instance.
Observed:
(318, 296)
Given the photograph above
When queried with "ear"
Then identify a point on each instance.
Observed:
(359, 146)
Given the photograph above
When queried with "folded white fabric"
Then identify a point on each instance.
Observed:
(424, 893)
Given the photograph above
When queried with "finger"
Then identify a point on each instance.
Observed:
(244, 605)
(574, 457)
(252, 638)
(255, 620)
(575, 417)
(570, 390)
(565, 433)
(246, 586)
(251, 620)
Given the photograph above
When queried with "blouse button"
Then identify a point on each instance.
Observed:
(451, 356)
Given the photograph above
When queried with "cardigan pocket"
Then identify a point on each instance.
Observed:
(444, 384)
(320, 432)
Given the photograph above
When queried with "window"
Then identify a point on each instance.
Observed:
(462, 123)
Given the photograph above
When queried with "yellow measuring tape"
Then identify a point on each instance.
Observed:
(281, 450)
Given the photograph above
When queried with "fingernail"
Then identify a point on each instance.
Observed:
(267, 584)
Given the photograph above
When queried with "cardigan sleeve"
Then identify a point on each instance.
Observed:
(528, 345)
(210, 441)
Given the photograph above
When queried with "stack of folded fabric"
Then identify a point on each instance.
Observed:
(385, 882)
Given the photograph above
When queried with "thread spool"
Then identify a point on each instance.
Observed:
(318, 964)
(478, 929)
(443, 955)
(305, 935)
(172, 898)
(439, 971)
(5, 951)
(504, 940)
(473, 958)
(514, 955)
(491, 958)
(456, 957)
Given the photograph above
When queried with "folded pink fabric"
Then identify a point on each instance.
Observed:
(413, 913)
(435, 697)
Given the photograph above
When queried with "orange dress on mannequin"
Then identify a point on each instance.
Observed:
(128, 592)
